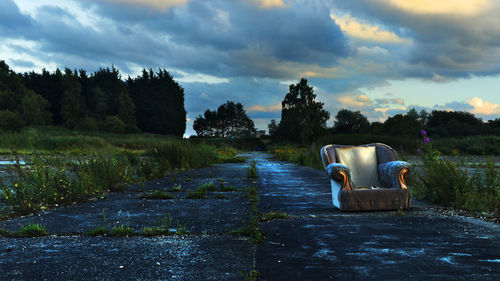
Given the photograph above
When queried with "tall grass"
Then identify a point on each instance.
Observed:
(49, 180)
(304, 156)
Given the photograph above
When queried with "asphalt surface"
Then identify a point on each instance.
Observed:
(318, 242)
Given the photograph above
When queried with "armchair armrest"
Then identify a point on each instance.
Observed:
(340, 173)
(393, 174)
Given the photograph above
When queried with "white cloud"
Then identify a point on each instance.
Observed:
(265, 108)
(441, 7)
(162, 5)
(358, 101)
(267, 4)
(482, 107)
(354, 27)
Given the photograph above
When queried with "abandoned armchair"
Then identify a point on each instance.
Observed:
(366, 177)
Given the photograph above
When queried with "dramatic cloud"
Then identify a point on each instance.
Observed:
(356, 29)
(250, 51)
(481, 107)
(162, 5)
(359, 101)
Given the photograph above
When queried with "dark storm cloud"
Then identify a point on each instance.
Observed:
(449, 44)
(11, 19)
(232, 38)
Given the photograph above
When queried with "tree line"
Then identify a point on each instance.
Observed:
(303, 119)
(152, 102)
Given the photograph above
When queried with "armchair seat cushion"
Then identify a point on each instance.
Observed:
(375, 199)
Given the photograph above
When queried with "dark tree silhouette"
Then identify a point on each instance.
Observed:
(347, 121)
(230, 120)
(302, 117)
(159, 102)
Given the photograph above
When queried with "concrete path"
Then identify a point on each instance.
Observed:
(322, 243)
(317, 243)
(208, 252)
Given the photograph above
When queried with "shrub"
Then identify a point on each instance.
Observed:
(10, 121)
(113, 124)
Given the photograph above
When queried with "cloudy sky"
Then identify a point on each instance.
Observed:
(381, 57)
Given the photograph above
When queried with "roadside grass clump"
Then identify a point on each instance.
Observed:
(165, 226)
(300, 155)
(196, 195)
(107, 173)
(229, 155)
(99, 231)
(32, 230)
(201, 192)
(158, 194)
(48, 181)
(449, 184)
(250, 229)
(42, 183)
(208, 186)
(177, 188)
(224, 188)
(252, 171)
(121, 231)
(5, 233)
(274, 215)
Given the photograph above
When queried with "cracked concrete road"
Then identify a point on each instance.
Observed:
(323, 243)
(317, 243)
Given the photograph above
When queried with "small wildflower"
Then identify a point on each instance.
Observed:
(419, 151)
(423, 133)
(427, 140)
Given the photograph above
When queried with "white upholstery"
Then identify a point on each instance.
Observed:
(362, 161)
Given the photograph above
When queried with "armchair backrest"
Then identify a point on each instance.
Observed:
(362, 160)
(384, 152)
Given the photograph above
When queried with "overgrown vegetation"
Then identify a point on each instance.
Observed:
(38, 181)
(453, 184)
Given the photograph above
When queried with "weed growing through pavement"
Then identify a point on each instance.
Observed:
(158, 194)
(251, 227)
(252, 171)
(251, 275)
(201, 192)
(224, 188)
(98, 231)
(121, 231)
(165, 226)
(275, 215)
(32, 230)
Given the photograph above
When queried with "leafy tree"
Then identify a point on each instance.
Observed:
(230, 120)
(402, 125)
(72, 102)
(454, 123)
(273, 128)
(34, 109)
(10, 121)
(15, 98)
(159, 102)
(302, 117)
(347, 121)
